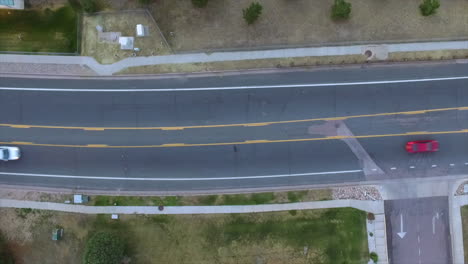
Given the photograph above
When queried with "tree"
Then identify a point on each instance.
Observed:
(200, 3)
(252, 12)
(429, 7)
(341, 10)
(89, 6)
(104, 248)
(5, 255)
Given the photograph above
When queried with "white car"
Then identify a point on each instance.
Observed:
(9, 153)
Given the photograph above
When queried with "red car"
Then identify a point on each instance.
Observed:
(422, 146)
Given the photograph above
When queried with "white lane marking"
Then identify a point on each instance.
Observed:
(304, 85)
(419, 251)
(466, 163)
(433, 166)
(402, 233)
(393, 168)
(452, 165)
(178, 179)
(412, 167)
(419, 240)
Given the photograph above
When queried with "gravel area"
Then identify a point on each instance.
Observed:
(48, 69)
(30, 195)
(357, 193)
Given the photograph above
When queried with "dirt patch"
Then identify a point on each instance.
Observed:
(246, 64)
(19, 194)
(124, 24)
(29, 233)
(220, 25)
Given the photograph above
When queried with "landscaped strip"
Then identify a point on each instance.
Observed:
(225, 199)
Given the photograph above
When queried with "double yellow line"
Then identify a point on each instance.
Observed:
(172, 145)
(237, 125)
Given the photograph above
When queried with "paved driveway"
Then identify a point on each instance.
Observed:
(418, 231)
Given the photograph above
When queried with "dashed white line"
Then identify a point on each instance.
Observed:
(412, 167)
(179, 179)
(452, 165)
(393, 168)
(433, 166)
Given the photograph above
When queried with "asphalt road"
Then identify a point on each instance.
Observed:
(418, 231)
(252, 130)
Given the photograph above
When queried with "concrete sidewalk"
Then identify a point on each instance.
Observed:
(376, 207)
(110, 69)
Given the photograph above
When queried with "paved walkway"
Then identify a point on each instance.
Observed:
(110, 69)
(375, 207)
(378, 241)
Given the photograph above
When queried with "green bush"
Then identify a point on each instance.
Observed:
(429, 7)
(374, 257)
(5, 255)
(104, 248)
(89, 6)
(200, 3)
(252, 12)
(145, 2)
(341, 10)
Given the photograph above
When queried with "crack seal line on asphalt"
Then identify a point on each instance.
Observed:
(172, 145)
(178, 179)
(416, 112)
(303, 85)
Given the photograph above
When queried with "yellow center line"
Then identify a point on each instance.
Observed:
(417, 112)
(262, 141)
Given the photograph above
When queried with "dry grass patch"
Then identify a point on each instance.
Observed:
(124, 22)
(303, 22)
(313, 236)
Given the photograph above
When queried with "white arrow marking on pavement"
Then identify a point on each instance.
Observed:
(401, 234)
(433, 222)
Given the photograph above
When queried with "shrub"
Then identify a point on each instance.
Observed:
(341, 10)
(200, 3)
(104, 248)
(252, 12)
(5, 255)
(89, 6)
(370, 216)
(429, 7)
(374, 257)
(145, 2)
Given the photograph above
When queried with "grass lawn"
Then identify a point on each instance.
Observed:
(464, 214)
(313, 236)
(39, 30)
(226, 199)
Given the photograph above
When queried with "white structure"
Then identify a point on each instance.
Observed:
(79, 199)
(141, 30)
(126, 43)
(12, 4)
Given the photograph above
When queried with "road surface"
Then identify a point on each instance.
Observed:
(235, 131)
